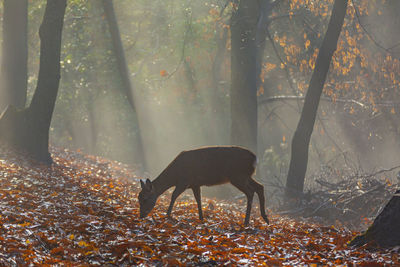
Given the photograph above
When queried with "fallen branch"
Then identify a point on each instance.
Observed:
(351, 198)
(263, 100)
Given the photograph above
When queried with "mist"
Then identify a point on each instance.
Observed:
(138, 132)
(178, 55)
(171, 77)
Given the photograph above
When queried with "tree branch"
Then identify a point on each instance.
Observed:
(264, 100)
(369, 34)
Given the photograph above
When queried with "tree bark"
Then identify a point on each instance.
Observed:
(215, 99)
(249, 27)
(264, 20)
(124, 71)
(302, 135)
(28, 129)
(14, 54)
(244, 75)
(384, 231)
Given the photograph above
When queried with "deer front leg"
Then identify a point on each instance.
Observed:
(197, 196)
(178, 190)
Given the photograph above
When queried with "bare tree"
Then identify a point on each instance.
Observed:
(13, 74)
(28, 129)
(123, 70)
(302, 135)
(249, 24)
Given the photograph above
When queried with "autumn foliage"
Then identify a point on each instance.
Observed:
(84, 210)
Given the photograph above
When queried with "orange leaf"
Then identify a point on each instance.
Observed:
(163, 73)
(239, 250)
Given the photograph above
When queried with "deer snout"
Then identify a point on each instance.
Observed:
(144, 213)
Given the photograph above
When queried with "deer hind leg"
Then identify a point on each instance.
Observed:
(248, 190)
(178, 190)
(197, 196)
(248, 209)
(259, 189)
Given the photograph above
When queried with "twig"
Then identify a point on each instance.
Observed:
(329, 136)
(382, 171)
(185, 39)
(366, 31)
(295, 97)
(282, 62)
(377, 188)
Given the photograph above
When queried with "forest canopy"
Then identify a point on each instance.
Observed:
(171, 50)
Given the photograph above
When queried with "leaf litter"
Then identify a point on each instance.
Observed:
(83, 210)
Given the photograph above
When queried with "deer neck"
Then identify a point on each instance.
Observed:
(162, 184)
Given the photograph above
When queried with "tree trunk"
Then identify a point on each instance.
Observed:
(302, 135)
(266, 7)
(14, 54)
(244, 75)
(124, 71)
(218, 60)
(216, 122)
(248, 32)
(384, 232)
(28, 129)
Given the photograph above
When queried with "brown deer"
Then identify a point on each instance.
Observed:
(205, 166)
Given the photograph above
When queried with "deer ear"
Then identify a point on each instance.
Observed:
(142, 184)
(149, 185)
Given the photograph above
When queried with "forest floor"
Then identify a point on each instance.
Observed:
(83, 210)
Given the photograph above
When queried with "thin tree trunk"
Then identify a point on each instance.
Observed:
(124, 71)
(302, 135)
(266, 7)
(28, 129)
(244, 75)
(14, 54)
(218, 60)
(94, 127)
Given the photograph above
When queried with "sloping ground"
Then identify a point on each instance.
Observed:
(83, 211)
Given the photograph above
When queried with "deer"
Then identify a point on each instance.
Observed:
(205, 166)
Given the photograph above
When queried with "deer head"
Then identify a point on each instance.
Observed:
(147, 198)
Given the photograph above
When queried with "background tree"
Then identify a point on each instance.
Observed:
(355, 114)
(124, 72)
(243, 95)
(13, 75)
(28, 129)
(302, 135)
(169, 47)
